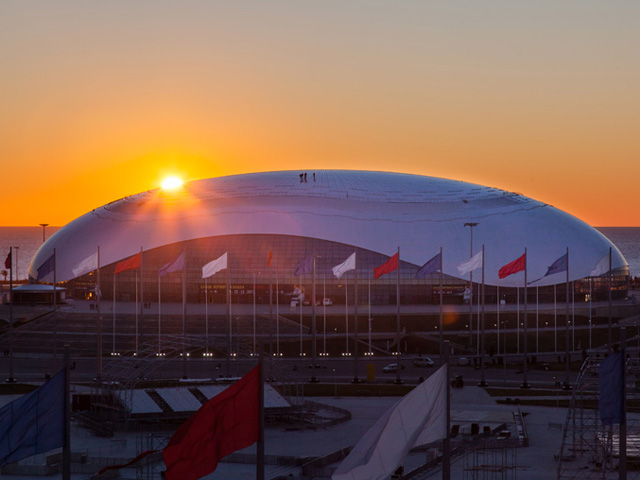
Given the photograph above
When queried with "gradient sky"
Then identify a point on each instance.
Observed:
(99, 100)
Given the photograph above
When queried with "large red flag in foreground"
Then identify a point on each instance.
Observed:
(226, 423)
(387, 267)
(130, 263)
(516, 266)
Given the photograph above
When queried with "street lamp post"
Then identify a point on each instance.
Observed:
(43, 225)
(471, 225)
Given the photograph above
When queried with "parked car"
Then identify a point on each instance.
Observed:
(327, 301)
(463, 361)
(423, 362)
(392, 367)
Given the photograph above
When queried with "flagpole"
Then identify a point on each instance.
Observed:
(610, 277)
(355, 329)
(184, 316)
(313, 324)
(11, 379)
(346, 313)
(254, 315)
(141, 296)
(260, 474)
(324, 314)
(483, 382)
(518, 319)
(228, 324)
(498, 319)
(537, 322)
(555, 320)
(136, 310)
(206, 317)
(277, 316)
(113, 332)
(446, 443)
(55, 308)
(441, 319)
(567, 383)
(66, 449)
(300, 300)
(159, 314)
(370, 319)
(398, 380)
(525, 366)
(98, 295)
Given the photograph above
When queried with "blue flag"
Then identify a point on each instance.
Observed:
(560, 265)
(34, 423)
(175, 266)
(611, 404)
(432, 266)
(47, 266)
(305, 266)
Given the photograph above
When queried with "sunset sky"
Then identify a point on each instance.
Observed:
(99, 100)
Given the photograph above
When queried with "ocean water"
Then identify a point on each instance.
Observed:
(28, 239)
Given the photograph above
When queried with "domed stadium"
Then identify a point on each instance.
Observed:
(269, 222)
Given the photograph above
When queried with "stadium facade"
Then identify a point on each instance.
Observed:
(269, 222)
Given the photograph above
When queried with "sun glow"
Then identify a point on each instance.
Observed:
(171, 183)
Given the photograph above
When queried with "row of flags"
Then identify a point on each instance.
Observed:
(305, 266)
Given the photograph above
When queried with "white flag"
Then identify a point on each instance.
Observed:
(420, 417)
(88, 264)
(601, 267)
(215, 266)
(344, 267)
(471, 265)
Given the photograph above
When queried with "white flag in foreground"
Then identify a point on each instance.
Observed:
(87, 265)
(215, 266)
(471, 265)
(344, 267)
(601, 267)
(419, 418)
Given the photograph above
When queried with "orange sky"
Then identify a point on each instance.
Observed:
(101, 100)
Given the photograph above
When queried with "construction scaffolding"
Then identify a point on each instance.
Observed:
(589, 449)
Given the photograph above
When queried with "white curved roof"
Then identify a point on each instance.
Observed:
(378, 211)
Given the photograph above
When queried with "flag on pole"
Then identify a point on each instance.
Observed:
(560, 265)
(7, 262)
(47, 267)
(389, 266)
(601, 267)
(215, 266)
(417, 419)
(130, 263)
(432, 266)
(611, 403)
(470, 265)
(175, 266)
(344, 267)
(87, 265)
(34, 423)
(305, 266)
(228, 422)
(518, 265)
(269, 259)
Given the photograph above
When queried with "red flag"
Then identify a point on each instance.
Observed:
(269, 259)
(387, 267)
(226, 423)
(130, 263)
(7, 262)
(516, 266)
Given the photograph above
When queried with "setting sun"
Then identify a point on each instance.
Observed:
(171, 183)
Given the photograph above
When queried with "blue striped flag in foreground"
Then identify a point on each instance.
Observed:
(432, 266)
(34, 423)
(611, 403)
